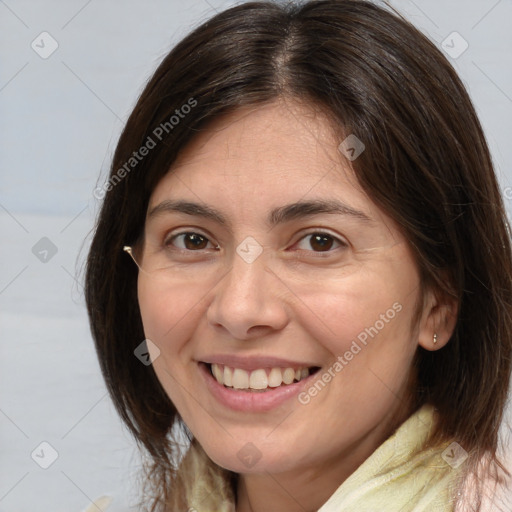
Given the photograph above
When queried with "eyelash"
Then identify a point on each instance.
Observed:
(341, 244)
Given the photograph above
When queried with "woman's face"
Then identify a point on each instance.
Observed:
(265, 257)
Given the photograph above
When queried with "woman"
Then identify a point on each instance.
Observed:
(320, 290)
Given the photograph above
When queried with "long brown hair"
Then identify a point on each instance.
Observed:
(426, 164)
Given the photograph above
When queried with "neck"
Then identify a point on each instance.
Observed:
(283, 492)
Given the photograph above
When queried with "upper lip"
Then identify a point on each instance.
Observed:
(250, 363)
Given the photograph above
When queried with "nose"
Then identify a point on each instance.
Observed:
(248, 301)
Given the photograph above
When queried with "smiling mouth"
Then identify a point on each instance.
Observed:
(259, 380)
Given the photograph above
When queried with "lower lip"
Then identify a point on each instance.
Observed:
(248, 401)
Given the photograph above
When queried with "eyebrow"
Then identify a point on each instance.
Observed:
(279, 215)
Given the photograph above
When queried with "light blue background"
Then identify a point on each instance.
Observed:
(60, 119)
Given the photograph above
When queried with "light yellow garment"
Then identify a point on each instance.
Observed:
(395, 478)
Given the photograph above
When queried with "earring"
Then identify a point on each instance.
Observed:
(435, 338)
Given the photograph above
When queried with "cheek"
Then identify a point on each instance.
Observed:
(169, 316)
(362, 307)
(364, 322)
(168, 313)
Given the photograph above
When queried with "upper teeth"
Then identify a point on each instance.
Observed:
(257, 379)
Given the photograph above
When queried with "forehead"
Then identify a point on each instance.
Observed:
(270, 127)
(278, 148)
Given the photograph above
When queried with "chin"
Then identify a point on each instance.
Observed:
(249, 459)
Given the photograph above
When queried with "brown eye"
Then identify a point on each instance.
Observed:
(320, 242)
(189, 241)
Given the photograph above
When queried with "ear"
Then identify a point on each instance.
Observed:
(438, 320)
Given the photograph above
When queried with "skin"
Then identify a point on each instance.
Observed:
(295, 300)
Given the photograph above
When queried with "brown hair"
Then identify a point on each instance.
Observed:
(426, 164)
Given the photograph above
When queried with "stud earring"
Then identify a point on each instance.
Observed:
(435, 338)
